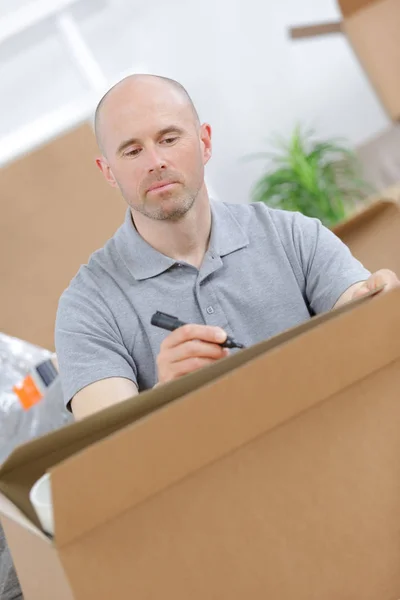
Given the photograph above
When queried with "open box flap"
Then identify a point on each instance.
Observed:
(9, 510)
(223, 415)
(55, 446)
(145, 457)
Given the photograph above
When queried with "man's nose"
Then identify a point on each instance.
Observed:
(156, 161)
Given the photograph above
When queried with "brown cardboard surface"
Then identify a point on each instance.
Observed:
(373, 31)
(277, 478)
(373, 236)
(46, 583)
(309, 511)
(57, 211)
(215, 413)
(349, 7)
(28, 462)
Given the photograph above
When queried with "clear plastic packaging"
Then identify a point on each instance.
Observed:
(18, 425)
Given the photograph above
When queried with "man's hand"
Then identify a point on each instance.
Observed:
(188, 349)
(384, 277)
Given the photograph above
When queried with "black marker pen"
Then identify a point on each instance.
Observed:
(170, 323)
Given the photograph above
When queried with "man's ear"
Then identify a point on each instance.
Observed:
(205, 136)
(105, 168)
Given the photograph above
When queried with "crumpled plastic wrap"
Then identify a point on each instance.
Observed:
(18, 425)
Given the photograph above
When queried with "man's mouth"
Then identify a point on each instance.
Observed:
(159, 186)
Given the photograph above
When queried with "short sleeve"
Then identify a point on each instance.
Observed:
(88, 343)
(328, 265)
(324, 266)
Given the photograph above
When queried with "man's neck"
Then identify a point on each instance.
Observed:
(185, 240)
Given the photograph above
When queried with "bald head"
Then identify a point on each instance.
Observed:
(149, 133)
(136, 89)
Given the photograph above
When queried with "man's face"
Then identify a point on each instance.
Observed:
(154, 149)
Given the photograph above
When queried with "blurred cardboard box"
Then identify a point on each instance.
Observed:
(373, 235)
(271, 474)
(390, 193)
(372, 28)
(379, 158)
(59, 211)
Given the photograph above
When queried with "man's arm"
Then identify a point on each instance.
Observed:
(183, 351)
(96, 368)
(102, 394)
(323, 265)
(383, 278)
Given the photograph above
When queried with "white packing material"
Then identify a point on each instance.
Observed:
(18, 424)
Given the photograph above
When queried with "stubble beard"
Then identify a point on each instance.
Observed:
(168, 209)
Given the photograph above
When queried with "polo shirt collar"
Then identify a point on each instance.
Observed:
(227, 235)
(144, 261)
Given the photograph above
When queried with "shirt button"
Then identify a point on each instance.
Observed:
(210, 310)
(178, 264)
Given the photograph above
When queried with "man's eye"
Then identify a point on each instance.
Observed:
(169, 140)
(133, 152)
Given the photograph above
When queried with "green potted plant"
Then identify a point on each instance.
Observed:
(317, 178)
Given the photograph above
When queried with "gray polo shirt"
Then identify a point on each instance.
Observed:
(265, 271)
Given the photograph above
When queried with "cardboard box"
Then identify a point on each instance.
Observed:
(271, 474)
(372, 28)
(379, 158)
(59, 211)
(373, 235)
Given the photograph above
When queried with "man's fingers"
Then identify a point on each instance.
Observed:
(383, 280)
(362, 291)
(189, 348)
(205, 333)
(189, 365)
(196, 348)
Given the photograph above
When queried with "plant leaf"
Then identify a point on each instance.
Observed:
(321, 179)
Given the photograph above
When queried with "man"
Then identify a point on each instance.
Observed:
(241, 270)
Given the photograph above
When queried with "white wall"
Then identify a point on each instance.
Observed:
(234, 56)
